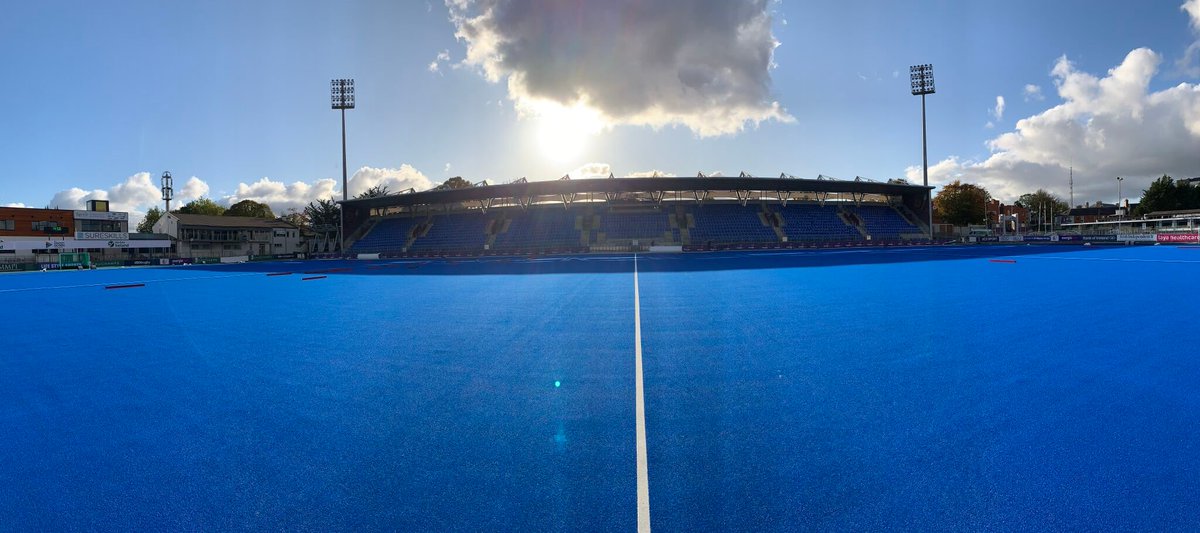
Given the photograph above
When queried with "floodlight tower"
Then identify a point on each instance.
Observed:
(341, 95)
(1119, 180)
(168, 189)
(921, 77)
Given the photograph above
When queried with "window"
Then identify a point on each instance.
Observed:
(112, 226)
(8, 225)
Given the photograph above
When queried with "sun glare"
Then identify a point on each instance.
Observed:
(563, 133)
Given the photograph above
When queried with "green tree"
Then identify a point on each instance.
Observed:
(250, 208)
(323, 212)
(960, 203)
(1166, 194)
(457, 182)
(152, 216)
(373, 192)
(295, 218)
(201, 206)
(1041, 201)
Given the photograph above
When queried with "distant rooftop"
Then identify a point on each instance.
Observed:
(223, 221)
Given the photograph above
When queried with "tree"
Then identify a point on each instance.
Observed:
(1043, 202)
(152, 216)
(457, 182)
(373, 192)
(250, 208)
(201, 206)
(1166, 194)
(295, 218)
(960, 203)
(323, 212)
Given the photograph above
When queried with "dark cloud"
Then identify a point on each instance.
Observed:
(704, 64)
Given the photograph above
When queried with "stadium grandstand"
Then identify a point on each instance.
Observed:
(635, 214)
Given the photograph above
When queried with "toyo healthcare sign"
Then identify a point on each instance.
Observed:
(1178, 237)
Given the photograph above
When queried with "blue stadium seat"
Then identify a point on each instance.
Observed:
(458, 232)
(539, 228)
(389, 235)
(729, 223)
(812, 222)
(644, 226)
(883, 222)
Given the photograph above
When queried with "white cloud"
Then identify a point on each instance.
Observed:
(648, 174)
(281, 196)
(1033, 92)
(702, 64)
(138, 193)
(436, 64)
(446, 168)
(15, 204)
(135, 195)
(1192, 8)
(998, 111)
(591, 170)
(990, 125)
(1104, 127)
(1189, 64)
(194, 188)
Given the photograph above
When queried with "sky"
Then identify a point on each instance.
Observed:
(233, 97)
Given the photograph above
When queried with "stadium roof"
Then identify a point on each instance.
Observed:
(637, 185)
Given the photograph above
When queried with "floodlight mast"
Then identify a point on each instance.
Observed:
(341, 95)
(1121, 215)
(921, 77)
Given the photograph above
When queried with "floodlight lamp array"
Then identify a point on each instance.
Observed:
(921, 77)
(341, 93)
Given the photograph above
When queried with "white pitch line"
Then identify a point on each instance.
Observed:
(643, 476)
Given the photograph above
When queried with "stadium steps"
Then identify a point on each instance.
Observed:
(362, 232)
(418, 231)
(495, 228)
(774, 221)
(689, 222)
(844, 216)
(913, 219)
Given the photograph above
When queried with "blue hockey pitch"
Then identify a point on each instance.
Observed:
(904, 388)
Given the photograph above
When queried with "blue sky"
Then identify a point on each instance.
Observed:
(103, 98)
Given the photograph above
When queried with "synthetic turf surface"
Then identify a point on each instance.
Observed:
(848, 390)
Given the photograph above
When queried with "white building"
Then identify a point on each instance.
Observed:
(228, 236)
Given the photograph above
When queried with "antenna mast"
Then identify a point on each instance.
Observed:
(1071, 184)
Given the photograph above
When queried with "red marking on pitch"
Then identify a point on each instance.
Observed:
(279, 274)
(313, 277)
(1003, 260)
(128, 286)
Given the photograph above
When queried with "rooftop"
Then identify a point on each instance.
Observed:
(223, 221)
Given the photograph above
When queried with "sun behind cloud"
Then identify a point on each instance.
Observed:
(563, 133)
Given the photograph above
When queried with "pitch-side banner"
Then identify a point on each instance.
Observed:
(1137, 237)
(25, 245)
(1177, 237)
